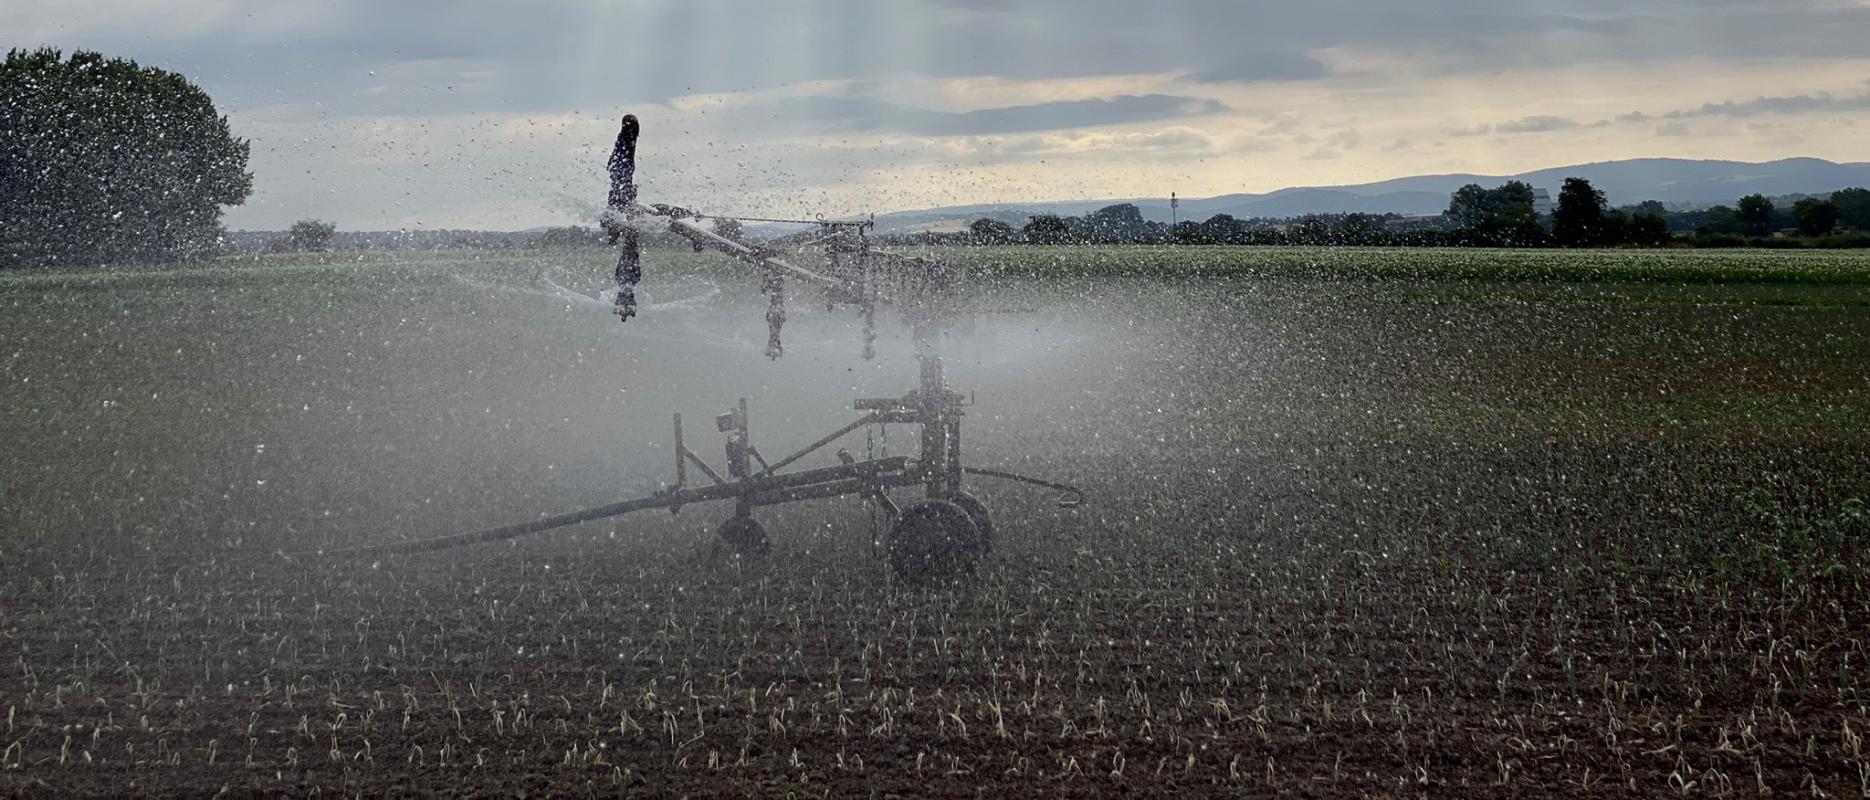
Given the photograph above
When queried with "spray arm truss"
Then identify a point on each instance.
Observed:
(854, 273)
(940, 535)
(682, 223)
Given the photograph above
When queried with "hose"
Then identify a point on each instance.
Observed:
(1073, 496)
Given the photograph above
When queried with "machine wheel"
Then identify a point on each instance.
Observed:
(977, 511)
(933, 540)
(746, 535)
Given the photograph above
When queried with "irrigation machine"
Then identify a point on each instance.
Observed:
(942, 534)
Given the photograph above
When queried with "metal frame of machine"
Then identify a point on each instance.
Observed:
(938, 537)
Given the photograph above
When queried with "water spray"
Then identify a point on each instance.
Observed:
(942, 535)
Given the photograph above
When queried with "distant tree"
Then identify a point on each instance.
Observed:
(1510, 195)
(1509, 218)
(1853, 208)
(727, 227)
(1815, 217)
(1756, 214)
(1219, 229)
(1358, 229)
(1647, 207)
(1499, 216)
(1647, 229)
(1122, 222)
(991, 231)
(1720, 220)
(105, 161)
(1613, 229)
(1048, 229)
(1311, 230)
(1467, 205)
(1579, 219)
(310, 236)
(569, 236)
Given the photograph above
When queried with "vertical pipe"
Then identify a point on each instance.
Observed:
(741, 466)
(775, 289)
(622, 201)
(931, 398)
(623, 165)
(681, 455)
(870, 330)
(867, 294)
(629, 274)
(746, 435)
(954, 450)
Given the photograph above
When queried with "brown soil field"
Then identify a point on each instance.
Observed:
(1343, 538)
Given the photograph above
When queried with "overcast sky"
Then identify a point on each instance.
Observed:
(484, 114)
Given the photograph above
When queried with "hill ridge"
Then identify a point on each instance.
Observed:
(1671, 180)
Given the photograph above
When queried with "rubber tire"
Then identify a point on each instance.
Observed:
(977, 511)
(746, 535)
(933, 540)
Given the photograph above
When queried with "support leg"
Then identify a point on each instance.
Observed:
(953, 465)
(629, 274)
(775, 289)
(932, 396)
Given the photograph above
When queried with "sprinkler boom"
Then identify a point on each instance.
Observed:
(941, 535)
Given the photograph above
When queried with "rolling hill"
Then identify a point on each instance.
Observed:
(1675, 181)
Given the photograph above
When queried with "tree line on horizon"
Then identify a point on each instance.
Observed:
(1503, 216)
(318, 236)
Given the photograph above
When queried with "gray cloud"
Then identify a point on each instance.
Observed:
(1538, 124)
(869, 114)
(565, 54)
(1814, 103)
(1535, 124)
(1263, 66)
(1284, 123)
(1347, 139)
(1590, 32)
(1675, 128)
(1792, 104)
(1183, 142)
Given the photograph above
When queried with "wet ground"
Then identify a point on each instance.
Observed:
(1345, 537)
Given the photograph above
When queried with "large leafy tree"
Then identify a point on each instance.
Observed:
(1047, 229)
(1467, 205)
(1756, 213)
(1853, 207)
(105, 161)
(1503, 216)
(1579, 219)
(311, 235)
(1122, 222)
(1815, 217)
(991, 231)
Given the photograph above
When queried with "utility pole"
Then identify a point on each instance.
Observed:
(1173, 221)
